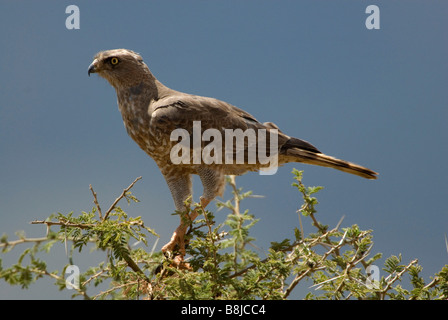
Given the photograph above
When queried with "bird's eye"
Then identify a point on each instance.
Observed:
(114, 61)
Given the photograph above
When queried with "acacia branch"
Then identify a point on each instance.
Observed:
(12, 244)
(123, 194)
(58, 278)
(397, 276)
(236, 208)
(95, 200)
(103, 293)
(63, 223)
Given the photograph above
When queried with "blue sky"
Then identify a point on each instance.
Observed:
(375, 97)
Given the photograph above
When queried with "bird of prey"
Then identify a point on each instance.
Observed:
(152, 112)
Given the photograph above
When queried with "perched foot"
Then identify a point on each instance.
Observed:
(178, 237)
(179, 263)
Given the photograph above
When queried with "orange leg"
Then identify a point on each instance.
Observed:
(178, 237)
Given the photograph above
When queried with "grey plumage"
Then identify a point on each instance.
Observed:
(151, 111)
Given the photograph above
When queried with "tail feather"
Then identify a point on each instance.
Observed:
(320, 159)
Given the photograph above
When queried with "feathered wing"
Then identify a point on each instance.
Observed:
(179, 111)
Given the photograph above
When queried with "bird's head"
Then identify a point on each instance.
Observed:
(121, 67)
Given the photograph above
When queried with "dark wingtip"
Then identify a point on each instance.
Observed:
(301, 144)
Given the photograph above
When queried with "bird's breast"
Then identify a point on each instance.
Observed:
(137, 123)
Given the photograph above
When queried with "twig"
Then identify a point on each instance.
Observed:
(63, 223)
(133, 265)
(95, 200)
(123, 194)
(299, 277)
(100, 273)
(115, 288)
(397, 276)
(236, 208)
(59, 278)
(433, 283)
(350, 266)
(22, 240)
(300, 223)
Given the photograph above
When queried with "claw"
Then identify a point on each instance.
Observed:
(178, 237)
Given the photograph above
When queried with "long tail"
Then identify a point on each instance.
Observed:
(320, 159)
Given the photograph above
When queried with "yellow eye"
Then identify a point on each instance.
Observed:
(114, 61)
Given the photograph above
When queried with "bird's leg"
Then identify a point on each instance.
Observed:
(178, 237)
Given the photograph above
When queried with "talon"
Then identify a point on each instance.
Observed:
(178, 237)
(179, 262)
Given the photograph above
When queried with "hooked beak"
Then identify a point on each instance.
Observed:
(92, 67)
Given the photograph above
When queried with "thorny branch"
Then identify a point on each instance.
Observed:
(95, 200)
(395, 278)
(331, 258)
(123, 194)
(65, 223)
